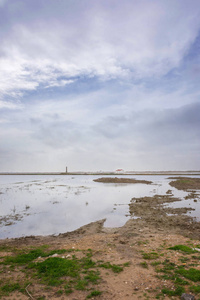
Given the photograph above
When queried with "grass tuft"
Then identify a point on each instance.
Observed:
(177, 292)
(195, 289)
(10, 287)
(94, 294)
(56, 267)
(150, 255)
(183, 248)
(144, 265)
(114, 268)
(192, 274)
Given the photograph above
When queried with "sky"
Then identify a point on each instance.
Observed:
(99, 85)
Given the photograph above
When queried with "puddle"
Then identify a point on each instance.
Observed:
(53, 204)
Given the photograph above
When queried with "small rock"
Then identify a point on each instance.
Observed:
(136, 288)
(187, 297)
(54, 255)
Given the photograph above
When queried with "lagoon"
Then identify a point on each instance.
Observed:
(53, 204)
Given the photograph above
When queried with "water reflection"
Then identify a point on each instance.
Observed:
(46, 204)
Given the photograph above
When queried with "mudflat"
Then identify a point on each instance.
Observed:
(185, 183)
(121, 180)
(155, 255)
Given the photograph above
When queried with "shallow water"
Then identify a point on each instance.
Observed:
(52, 204)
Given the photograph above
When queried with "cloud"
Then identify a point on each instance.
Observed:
(148, 138)
(105, 40)
(153, 130)
(59, 83)
(9, 105)
(99, 84)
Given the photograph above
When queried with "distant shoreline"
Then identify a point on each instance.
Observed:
(107, 173)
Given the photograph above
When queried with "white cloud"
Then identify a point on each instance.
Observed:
(135, 120)
(59, 83)
(138, 39)
(9, 105)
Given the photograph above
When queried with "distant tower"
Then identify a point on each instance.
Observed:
(66, 169)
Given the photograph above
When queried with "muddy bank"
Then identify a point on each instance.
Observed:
(153, 211)
(121, 180)
(185, 183)
(139, 245)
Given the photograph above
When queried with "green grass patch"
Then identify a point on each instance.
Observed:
(191, 274)
(195, 289)
(8, 288)
(177, 292)
(167, 266)
(150, 255)
(114, 268)
(56, 267)
(64, 273)
(94, 294)
(183, 248)
(144, 265)
(81, 284)
(127, 264)
(179, 280)
(93, 276)
(24, 258)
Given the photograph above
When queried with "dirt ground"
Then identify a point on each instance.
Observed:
(155, 229)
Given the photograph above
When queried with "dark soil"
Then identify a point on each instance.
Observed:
(121, 180)
(185, 183)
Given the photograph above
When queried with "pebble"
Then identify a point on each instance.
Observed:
(196, 249)
(187, 297)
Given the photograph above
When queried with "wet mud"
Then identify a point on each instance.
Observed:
(185, 183)
(153, 212)
(121, 180)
